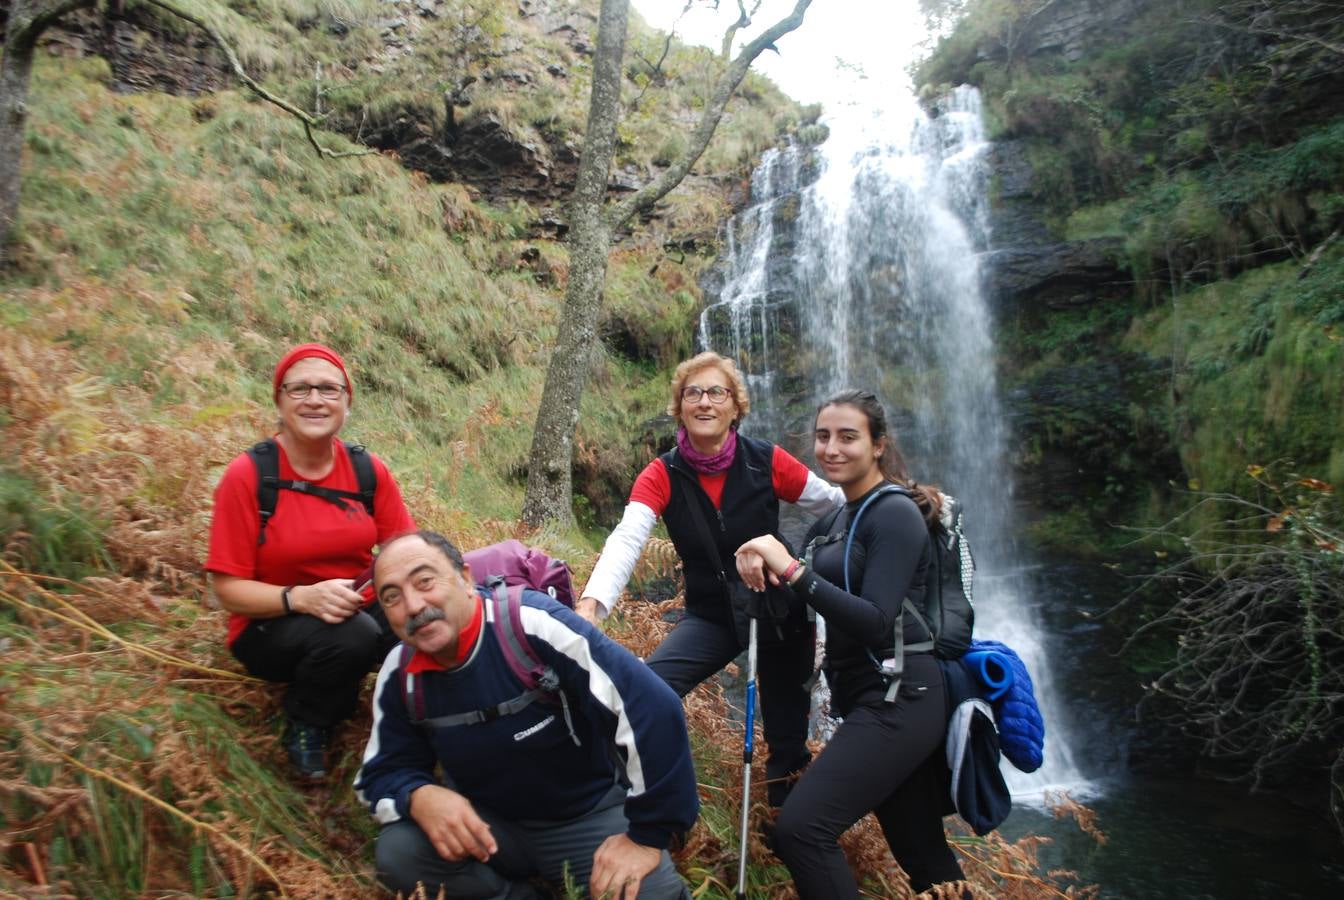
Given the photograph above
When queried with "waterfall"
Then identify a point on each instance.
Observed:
(857, 265)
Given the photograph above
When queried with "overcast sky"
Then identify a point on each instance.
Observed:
(843, 49)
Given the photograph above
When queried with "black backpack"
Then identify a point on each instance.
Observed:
(266, 458)
(948, 616)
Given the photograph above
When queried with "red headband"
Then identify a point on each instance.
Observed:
(309, 351)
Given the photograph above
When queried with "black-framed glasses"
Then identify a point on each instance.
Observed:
(299, 390)
(692, 393)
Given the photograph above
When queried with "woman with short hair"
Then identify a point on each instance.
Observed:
(715, 490)
(287, 583)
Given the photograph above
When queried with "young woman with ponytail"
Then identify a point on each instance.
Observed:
(886, 757)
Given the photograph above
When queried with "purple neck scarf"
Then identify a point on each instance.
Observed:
(707, 463)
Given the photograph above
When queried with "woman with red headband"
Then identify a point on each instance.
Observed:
(287, 581)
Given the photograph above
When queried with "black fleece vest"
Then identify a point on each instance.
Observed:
(748, 509)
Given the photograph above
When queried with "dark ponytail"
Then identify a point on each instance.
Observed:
(891, 463)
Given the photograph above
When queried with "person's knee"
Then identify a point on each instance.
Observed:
(663, 883)
(402, 856)
(795, 831)
(350, 645)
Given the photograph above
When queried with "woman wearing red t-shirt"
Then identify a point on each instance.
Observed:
(714, 491)
(294, 615)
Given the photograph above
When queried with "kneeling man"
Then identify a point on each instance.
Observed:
(593, 778)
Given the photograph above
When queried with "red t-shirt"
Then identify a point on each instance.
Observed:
(653, 486)
(308, 539)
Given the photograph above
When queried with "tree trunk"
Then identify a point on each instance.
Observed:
(550, 463)
(27, 20)
(16, 68)
(549, 469)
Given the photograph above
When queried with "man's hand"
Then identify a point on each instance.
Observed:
(451, 824)
(332, 601)
(619, 865)
(587, 607)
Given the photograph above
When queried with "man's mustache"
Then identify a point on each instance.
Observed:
(423, 618)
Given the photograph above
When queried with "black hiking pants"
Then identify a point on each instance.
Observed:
(323, 664)
(698, 648)
(885, 758)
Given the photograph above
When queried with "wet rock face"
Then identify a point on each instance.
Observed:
(481, 151)
(1027, 267)
(1057, 275)
(1082, 25)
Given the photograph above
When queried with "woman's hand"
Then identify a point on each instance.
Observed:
(333, 601)
(761, 558)
(587, 607)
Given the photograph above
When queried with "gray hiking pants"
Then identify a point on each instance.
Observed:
(697, 648)
(527, 849)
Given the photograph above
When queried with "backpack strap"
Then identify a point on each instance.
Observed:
(266, 458)
(365, 476)
(894, 667)
(503, 605)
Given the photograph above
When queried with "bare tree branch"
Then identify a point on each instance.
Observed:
(302, 115)
(28, 25)
(732, 76)
(1256, 675)
(743, 20)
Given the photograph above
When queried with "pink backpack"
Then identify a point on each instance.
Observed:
(523, 566)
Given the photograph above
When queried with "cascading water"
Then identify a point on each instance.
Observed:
(868, 277)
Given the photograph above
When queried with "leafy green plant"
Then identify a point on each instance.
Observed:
(49, 533)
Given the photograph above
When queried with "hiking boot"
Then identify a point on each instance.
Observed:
(307, 748)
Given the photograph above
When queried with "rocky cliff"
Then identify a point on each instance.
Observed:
(1149, 156)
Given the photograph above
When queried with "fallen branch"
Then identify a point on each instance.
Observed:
(82, 620)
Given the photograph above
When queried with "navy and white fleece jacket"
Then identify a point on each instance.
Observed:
(526, 765)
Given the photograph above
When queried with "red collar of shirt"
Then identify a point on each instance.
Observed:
(466, 641)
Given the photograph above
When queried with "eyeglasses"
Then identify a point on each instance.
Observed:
(693, 392)
(299, 390)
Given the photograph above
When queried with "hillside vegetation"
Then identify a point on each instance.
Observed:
(172, 243)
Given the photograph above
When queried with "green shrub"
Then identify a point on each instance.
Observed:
(50, 535)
